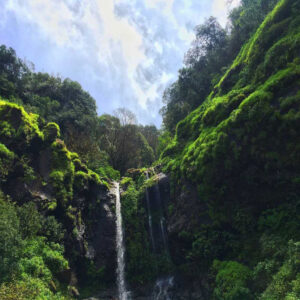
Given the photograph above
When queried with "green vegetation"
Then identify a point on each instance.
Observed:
(143, 265)
(29, 263)
(6, 161)
(125, 142)
(211, 54)
(103, 143)
(39, 228)
(239, 150)
(230, 145)
(231, 281)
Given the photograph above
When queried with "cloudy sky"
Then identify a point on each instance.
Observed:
(123, 52)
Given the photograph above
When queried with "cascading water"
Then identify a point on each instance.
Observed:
(161, 221)
(163, 233)
(149, 216)
(162, 288)
(122, 291)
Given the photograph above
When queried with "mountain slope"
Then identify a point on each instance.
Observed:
(57, 216)
(236, 160)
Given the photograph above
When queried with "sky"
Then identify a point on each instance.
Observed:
(123, 52)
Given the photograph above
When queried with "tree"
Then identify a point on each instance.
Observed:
(210, 54)
(55, 99)
(109, 134)
(124, 142)
(210, 37)
(203, 66)
(12, 72)
(10, 238)
(245, 19)
(125, 116)
(151, 133)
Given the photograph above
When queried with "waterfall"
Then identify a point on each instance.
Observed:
(162, 225)
(164, 286)
(162, 289)
(163, 232)
(122, 292)
(149, 216)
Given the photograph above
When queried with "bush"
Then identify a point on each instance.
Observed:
(52, 229)
(30, 220)
(231, 281)
(6, 162)
(285, 283)
(29, 289)
(10, 238)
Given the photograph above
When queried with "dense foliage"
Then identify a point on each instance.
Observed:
(230, 146)
(98, 140)
(29, 261)
(125, 143)
(40, 216)
(143, 263)
(54, 191)
(239, 151)
(211, 53)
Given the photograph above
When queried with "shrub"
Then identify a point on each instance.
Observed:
(6, 162)
(10, 238)
(231, 281)
(30, 220)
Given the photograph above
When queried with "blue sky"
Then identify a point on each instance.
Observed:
(123, 52)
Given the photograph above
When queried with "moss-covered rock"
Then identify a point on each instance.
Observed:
(141, 263)
(51, 132)
(144, 263)
(41, 170)
(239, 151)
(6, 162)
(18, 128)
(242, 134)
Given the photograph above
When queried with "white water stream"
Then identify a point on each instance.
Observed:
(149, 216)
(122, 291)
(162, 288)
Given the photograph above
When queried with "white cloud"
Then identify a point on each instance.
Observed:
(124, 52)
(221, 8)
(166, 5)
(54, 18)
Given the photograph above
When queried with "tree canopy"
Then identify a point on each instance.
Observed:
(211, 53)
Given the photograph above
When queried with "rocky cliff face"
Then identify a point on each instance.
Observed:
(36, 166)
(101, 233)
(148, 191)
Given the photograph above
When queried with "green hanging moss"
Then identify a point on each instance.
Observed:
(198, 137)
(62, 175)
(51, 132)
(240, 150)
(18, 124)
(81, 180)
(6, 161)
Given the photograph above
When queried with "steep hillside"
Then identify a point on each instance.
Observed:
(57, 217)
(235, 170)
